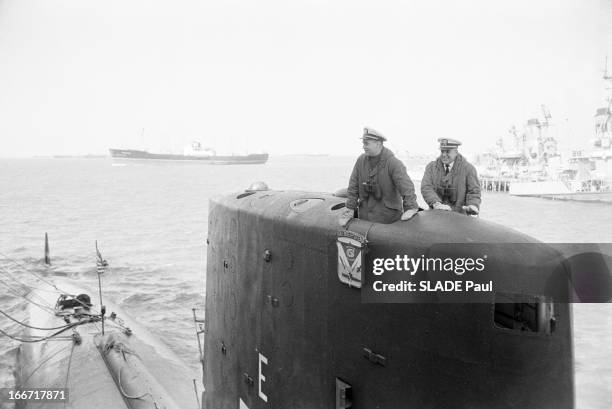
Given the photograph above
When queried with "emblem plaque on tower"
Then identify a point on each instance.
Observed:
(351, 256)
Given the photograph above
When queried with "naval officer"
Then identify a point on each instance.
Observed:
(379, 186)
(451, 182)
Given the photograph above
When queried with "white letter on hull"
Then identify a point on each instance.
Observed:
(242, 404)
(261, 377)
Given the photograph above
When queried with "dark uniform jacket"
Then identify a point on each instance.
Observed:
(459, 188)
(382, 191)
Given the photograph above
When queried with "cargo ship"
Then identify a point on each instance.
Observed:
(192, 153)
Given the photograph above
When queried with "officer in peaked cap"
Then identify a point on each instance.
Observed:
(373, 134)
(448, 143)
(379, 187)
(451, 182)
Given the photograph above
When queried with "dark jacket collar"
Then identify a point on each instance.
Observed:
(458, 164)
(384, 155)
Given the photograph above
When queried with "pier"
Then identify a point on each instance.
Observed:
(495, 184)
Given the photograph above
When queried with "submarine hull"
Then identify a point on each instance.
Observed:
(115, 370)
(283, 331)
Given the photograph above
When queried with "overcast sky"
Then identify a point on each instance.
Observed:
(82, 76)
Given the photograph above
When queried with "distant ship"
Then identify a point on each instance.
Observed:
(588, 176)
(530, 156)
(533, 166)
(193, 153)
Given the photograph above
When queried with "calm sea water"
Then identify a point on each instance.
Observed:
(150, 221)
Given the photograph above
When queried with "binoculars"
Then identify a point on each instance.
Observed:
(372, 188)
(447, 193)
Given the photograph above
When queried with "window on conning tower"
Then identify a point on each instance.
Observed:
(524, 313)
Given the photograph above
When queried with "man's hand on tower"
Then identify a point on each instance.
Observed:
(442, 206)
(345, 216)
(471, 209)
(409, 214)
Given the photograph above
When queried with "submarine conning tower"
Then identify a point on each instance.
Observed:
(284, 331)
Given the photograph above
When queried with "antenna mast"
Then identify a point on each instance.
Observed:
(606, 76)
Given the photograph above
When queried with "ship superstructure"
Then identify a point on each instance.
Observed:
(532, 164)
